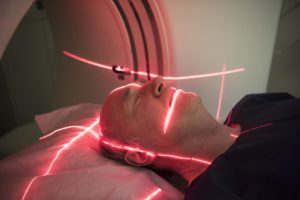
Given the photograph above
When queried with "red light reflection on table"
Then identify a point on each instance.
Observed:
(96, 135)
(58, 154)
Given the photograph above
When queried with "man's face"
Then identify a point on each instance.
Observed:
(135, 113)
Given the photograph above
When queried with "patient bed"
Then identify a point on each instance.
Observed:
(68, 164)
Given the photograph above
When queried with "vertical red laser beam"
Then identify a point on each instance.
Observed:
(59, 152)
(170, 111)
(153, 194)
(221, 93)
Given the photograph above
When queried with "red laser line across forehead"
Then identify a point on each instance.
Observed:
(99, 65)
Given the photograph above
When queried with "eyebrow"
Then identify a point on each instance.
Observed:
(125, 94)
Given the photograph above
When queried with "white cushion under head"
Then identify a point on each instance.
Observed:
(67, 165)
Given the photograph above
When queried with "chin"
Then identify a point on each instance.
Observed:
(187, 103)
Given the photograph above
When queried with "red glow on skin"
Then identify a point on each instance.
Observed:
(171, 111)
(152, 154)
(59, 152)
(153, 194)
(221, 93)
(96, 64)
(234, 135)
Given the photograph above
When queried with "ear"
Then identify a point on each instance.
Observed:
(138, 158)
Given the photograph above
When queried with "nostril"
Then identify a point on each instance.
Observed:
(160, 87)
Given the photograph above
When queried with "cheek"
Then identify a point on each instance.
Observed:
(150, 117)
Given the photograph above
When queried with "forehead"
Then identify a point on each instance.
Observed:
(118, 96)
(113, 114)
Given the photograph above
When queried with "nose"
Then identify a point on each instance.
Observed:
(156, 86)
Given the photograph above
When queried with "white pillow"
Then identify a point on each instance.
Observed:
(77, 170)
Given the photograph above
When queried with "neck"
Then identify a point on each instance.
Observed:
(220, 141)
(190, 170)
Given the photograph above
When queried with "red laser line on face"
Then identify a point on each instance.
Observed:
(153, 194)
(96, 64)
(171, 110)
(221, 93)
(59, 152)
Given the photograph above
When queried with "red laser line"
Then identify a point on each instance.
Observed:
(221, 93)
(96, 64)
(28, 187)
(251, 129)
(57, 156)
(69, 127)
(171, 111)
(257, 127)
(84, 60)
(153, 194)
(152, 154)
(234, 135)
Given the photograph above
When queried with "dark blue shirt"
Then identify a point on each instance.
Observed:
(264, 162)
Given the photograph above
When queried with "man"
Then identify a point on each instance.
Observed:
(160, 126)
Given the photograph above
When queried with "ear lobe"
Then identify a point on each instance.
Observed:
(138, 158)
